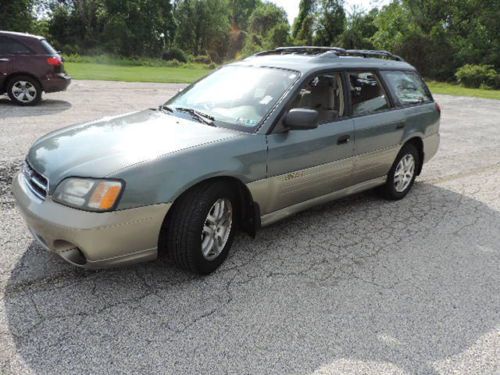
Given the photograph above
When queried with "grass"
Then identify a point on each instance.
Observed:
(92, 71)
(456, 90)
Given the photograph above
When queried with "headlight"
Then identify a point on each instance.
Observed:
(89, 194)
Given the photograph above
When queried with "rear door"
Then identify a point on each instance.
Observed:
(5, 61)
(415, 101)
(378, 126)
(306, 164)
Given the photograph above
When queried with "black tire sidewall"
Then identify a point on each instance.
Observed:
(186, 226)
(35, 84)
(207, 266)
(390, 189)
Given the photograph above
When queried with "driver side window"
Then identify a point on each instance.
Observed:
(325, 94)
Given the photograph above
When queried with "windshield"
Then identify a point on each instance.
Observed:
(236, 96)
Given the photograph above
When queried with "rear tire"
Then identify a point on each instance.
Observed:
(402, 174)
(24, 90)
(200, 229)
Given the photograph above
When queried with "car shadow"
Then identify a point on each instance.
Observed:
(405, 283)
(45, 107)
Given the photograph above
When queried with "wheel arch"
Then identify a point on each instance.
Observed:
(248, 209)
(13, 75)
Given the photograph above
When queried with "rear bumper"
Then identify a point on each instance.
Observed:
(56, 82)
(431, 146)
(91, 240)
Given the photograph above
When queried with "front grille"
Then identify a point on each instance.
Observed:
(37, 183)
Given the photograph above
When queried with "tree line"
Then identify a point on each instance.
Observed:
(437, 36)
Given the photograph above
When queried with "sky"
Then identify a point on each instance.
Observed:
(292, 6)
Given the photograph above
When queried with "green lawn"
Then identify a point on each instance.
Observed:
(456, 90)
(136, 73)
(190, 73)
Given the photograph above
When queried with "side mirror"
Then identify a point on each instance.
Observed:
(301, 119)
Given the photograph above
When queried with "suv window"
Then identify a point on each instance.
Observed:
(325, 94)
(47, 47)
(367, 94)
(9, 46)
(408, 87)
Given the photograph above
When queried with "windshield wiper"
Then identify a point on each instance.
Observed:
(200, 116)
(167, 108)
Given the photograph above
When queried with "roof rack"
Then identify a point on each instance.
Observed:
(329, 52)
(372, 53)
(301, 50)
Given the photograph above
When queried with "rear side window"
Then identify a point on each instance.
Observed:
(48, 48)
(367, 94)
(9, 46)
(408, 87)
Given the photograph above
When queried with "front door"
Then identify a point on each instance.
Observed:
(305, 164)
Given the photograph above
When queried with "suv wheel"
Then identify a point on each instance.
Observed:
(402, 175)
(200, 230)
(24, 90)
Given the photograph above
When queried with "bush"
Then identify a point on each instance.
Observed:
(478, 76)
(212, 66)
(174, 53)
(203, 59)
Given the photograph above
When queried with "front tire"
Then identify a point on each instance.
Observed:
(402, 174)
(24, 90)
(200, 230)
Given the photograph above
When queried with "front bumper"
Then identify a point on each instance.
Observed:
(88, 239)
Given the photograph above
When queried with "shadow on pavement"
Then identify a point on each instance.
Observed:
(406, 283)
(46, 107)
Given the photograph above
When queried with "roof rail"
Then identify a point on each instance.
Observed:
(372, 53)
(301, 50)
(330, 52)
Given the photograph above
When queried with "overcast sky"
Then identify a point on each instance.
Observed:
(292, 6)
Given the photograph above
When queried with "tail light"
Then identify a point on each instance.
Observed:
(54, 61)
(438, 107)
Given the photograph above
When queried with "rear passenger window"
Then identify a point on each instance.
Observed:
(367, 94)
(9, 46)
(407, 87)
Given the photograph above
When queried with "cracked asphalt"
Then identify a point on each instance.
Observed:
(358, 286)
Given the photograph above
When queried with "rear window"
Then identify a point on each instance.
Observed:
(9, 46)
(47, 47)
(408, 87)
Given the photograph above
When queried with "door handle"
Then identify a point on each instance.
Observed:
(343, 139)
(400, 125)
(4, 60)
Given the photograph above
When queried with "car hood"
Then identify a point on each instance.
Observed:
(97, 149)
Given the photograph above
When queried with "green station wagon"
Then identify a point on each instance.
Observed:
(252, 143)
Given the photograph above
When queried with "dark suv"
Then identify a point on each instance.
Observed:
(28, 66)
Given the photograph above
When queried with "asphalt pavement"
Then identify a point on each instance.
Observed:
(358, 286)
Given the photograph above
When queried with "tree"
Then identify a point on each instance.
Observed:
(304, 20)
(268, 28)
(16, 15)
(359, 31)
(138, 27)
(203, 27)
(331, 22)
(240, 12)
